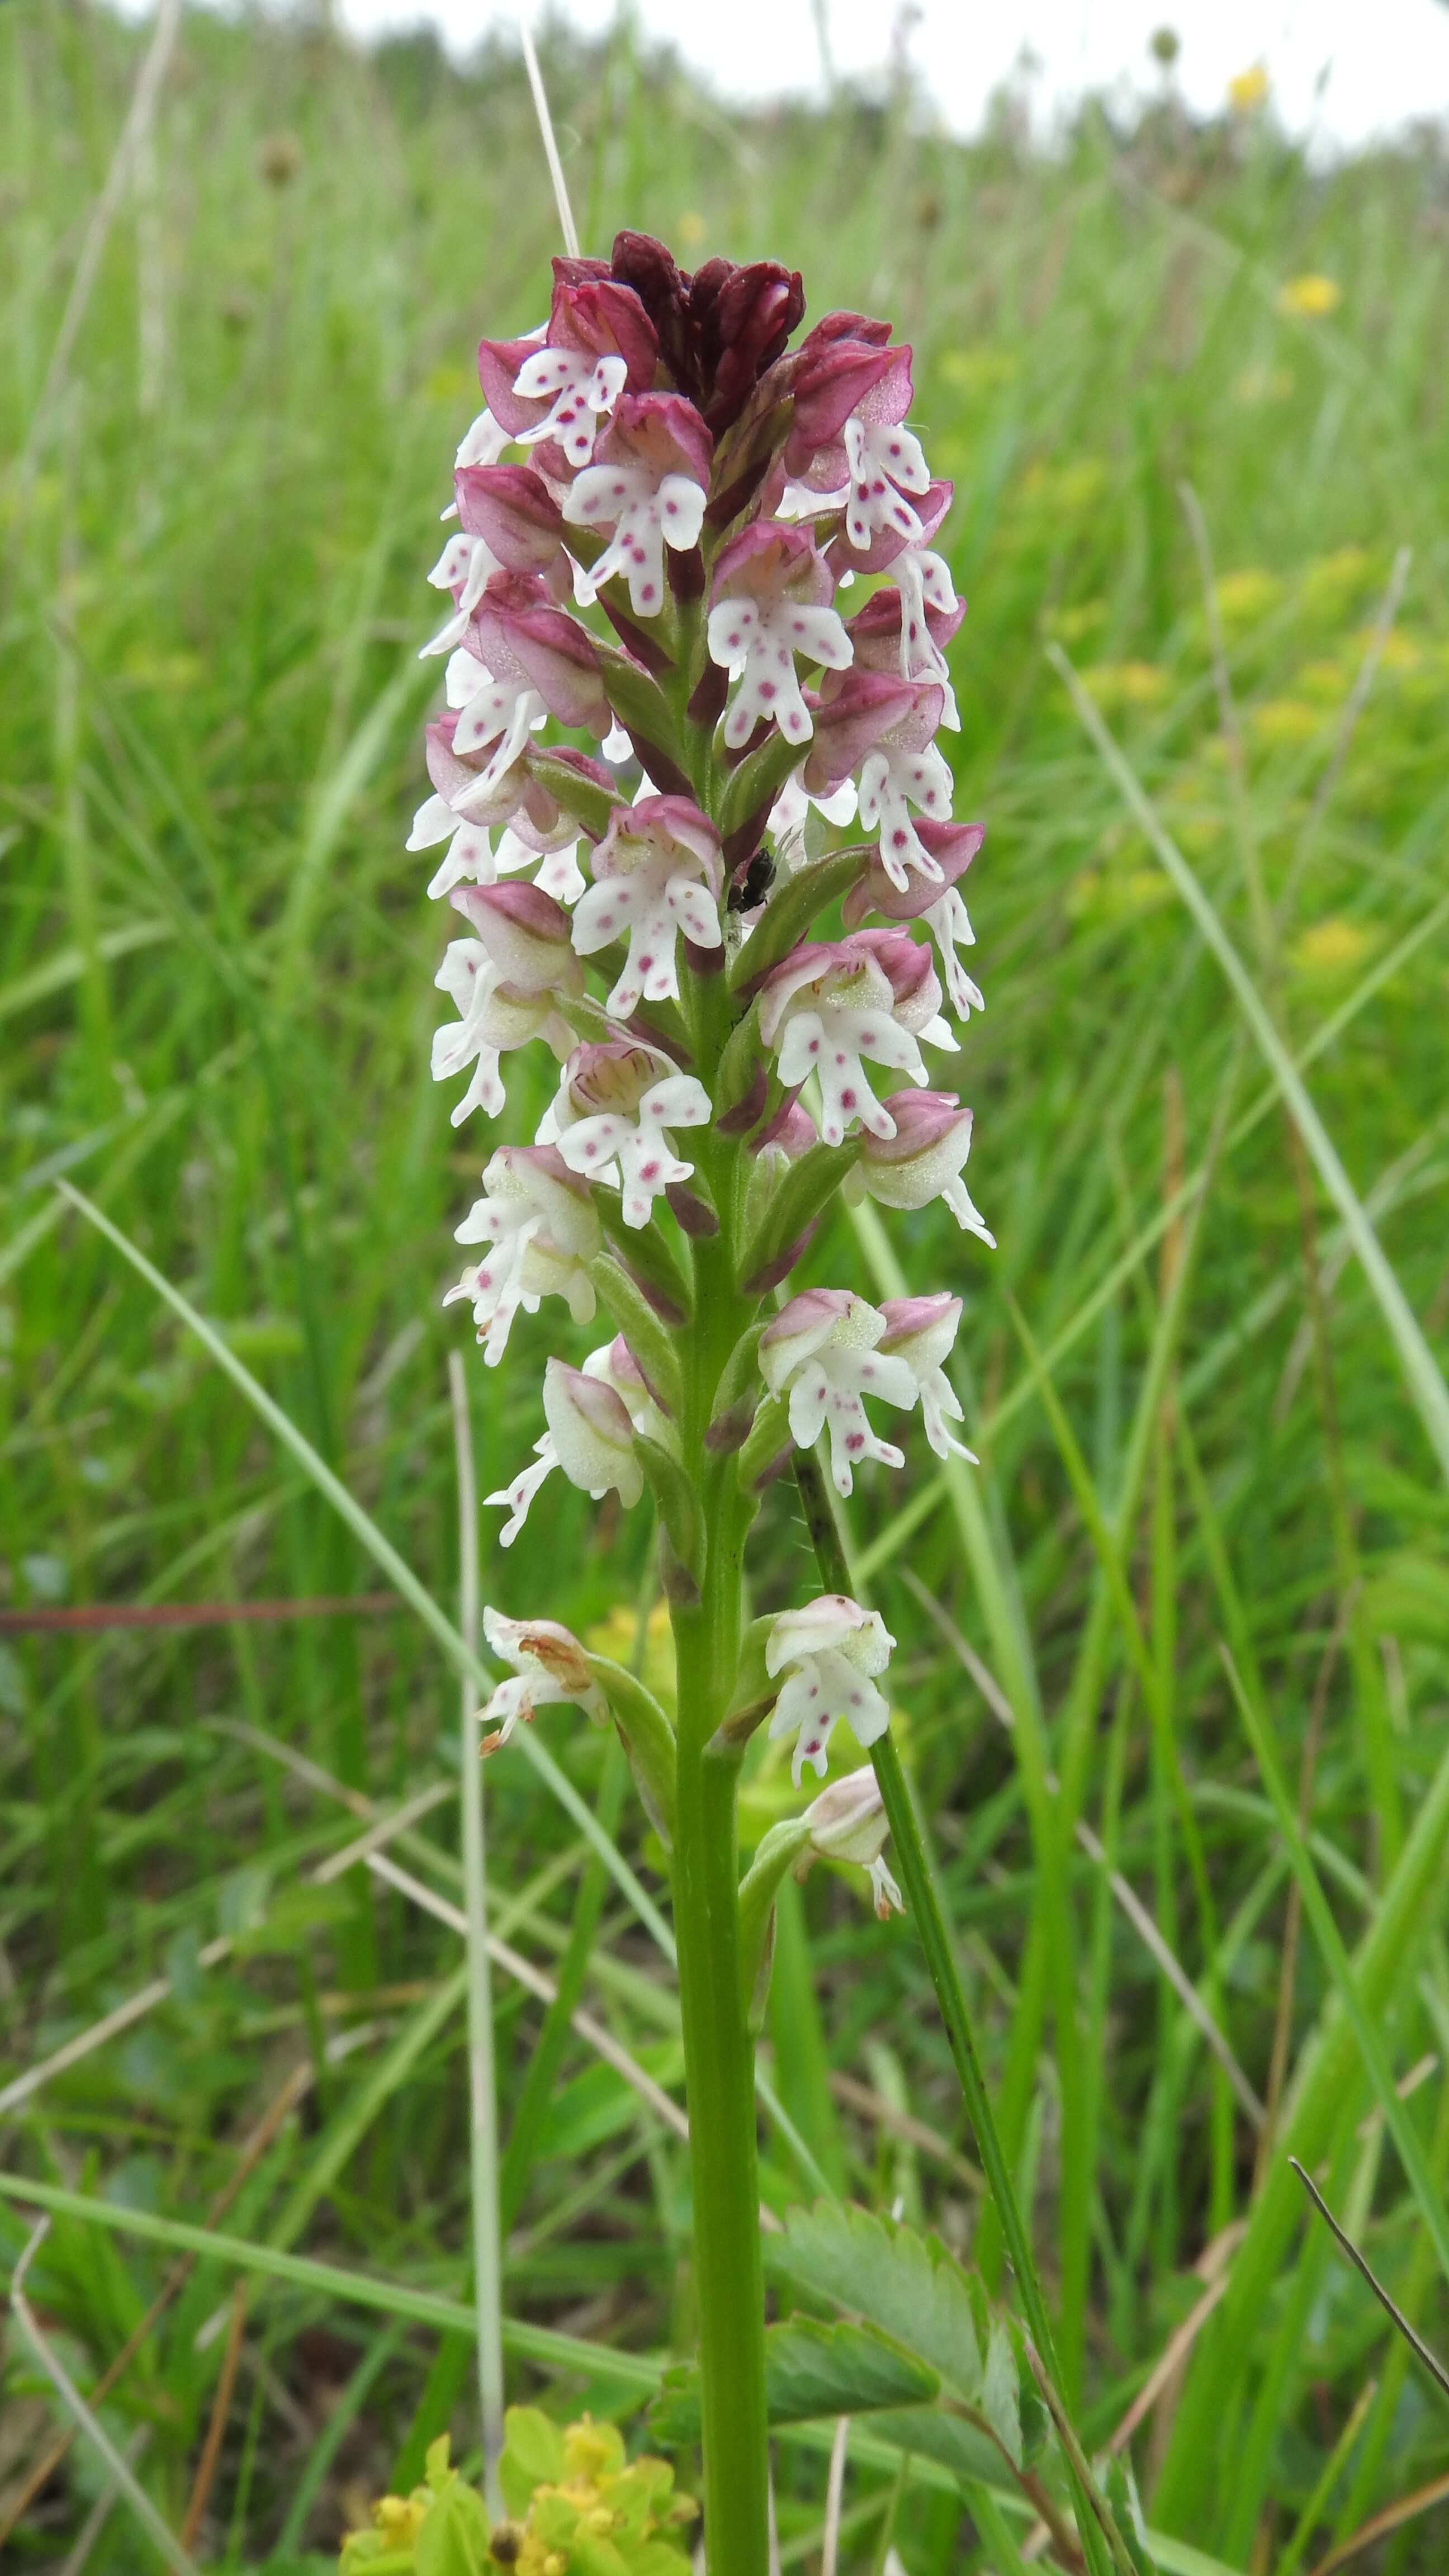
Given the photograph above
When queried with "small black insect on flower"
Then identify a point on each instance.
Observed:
(753, 882)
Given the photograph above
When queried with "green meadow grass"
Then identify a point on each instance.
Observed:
(1196, 1423)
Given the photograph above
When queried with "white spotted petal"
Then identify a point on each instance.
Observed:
(829, 1653)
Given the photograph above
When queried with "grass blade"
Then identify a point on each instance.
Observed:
(334, 2281)
(1340, 1968)
(118, 2468)
(383, 1554)
(482, 2088)
(1421, 1371)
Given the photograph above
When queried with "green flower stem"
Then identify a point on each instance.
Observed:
(718, 2050)
(925, 1910)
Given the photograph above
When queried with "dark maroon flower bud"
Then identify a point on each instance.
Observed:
(744, 317)
(578, 272)
(646, 267)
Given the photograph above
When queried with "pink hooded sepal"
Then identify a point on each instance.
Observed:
(512, 510)
(520, 800)
(518, 633)
(770, 560)
(875, 630)
(590, 316)
(499, 363)
(516, 916)
(836, 380)
(906, 964)
(856, 710)
(662, 820)
(903, 961)
(814, 1311)
(924, 1120)
(920, 1329)
(661, 432)
(953, 846)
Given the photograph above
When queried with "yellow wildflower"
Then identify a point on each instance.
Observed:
(1117, 894)
(616, 1635)
(1333, 582)
(1248, 90)
(1069, 625)
(144, 667)
(450, 384)
(1333, 946)
(1397, 652)
(1284, 724)
(691, 229)
(1326, 683)
(1065, 490)
(978, 371)
(1263, 385)
(1311, 298)
(1243, 597)
(399, 2518)
(1117, 685)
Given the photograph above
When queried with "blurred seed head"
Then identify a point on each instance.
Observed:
(279, 160)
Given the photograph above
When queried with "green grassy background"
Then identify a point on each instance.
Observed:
(215, 964)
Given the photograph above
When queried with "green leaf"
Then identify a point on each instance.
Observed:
(634, 1317)
(803, 1191)
(1009, 2399)
(769, 1434)
(755, 1691)
(583, 798)
(810, 2370)
(779, 1850)
(1120, 2488)
(738, 1388)
(739, 1065)
(954, 2441)
(638, 702)
(532, 2456)
(677, 1501)
(645, 1259)
(453, 2536)
(790, 913)
(754, 785)
(904, 2283)
(598, 2104)
(648, 1739)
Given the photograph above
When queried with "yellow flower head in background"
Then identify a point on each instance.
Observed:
(1285, 724)
(1119, 685)
(1248, 90)
(1333, 946)
(1311, 298)
(1246, 595)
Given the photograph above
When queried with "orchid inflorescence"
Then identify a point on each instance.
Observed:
(660, 726)
(713, 493)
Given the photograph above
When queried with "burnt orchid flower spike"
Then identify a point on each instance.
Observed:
(690, 811)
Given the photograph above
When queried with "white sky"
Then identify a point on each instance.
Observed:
(1342, 69)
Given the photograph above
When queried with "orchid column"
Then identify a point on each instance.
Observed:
(658, 513)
